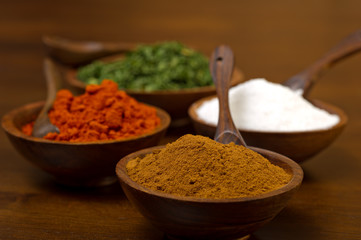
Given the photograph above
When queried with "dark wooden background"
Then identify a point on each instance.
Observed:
(272, 39)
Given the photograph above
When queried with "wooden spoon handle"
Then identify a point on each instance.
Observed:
(42, 123)
(53, 81)
(306, 78)
(87, 46)
(74, 52)
(221, 67)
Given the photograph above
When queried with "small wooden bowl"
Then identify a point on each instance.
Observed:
(174, 102)
(298, 146)
(196, 218)
(76, 164)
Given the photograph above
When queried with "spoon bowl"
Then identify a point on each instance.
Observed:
(75, 164)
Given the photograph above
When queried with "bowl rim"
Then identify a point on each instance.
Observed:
(70, 77)
(330, 108)
(9, 126)
(294, 183)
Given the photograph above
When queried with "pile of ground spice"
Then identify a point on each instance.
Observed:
(200, 167)
(102, 113)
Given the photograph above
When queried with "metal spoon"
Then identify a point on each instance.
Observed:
(221, 67)
(78, 52)
(42, 125)
(306, 78)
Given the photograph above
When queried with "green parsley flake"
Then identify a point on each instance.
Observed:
(163, 66)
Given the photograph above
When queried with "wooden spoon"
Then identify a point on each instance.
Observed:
(42, 125)
(306, 78)
(78, 52)
(221, 67)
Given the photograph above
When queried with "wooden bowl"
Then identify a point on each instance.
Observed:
(174, 102)
(77, 164)
(196, 218)
(298, 145)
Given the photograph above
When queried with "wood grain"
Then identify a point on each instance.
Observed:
(272, 39)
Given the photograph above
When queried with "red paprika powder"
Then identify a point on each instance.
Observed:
(102, 113)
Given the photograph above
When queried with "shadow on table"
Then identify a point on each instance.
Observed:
(334, 164)
(104, 193)
(251, 237)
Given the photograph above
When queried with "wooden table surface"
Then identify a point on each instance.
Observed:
(272, 39)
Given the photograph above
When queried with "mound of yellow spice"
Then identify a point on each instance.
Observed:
(200, 167)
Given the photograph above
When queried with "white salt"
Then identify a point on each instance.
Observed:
(264, 106)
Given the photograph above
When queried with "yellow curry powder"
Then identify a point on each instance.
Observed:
(198, 166)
